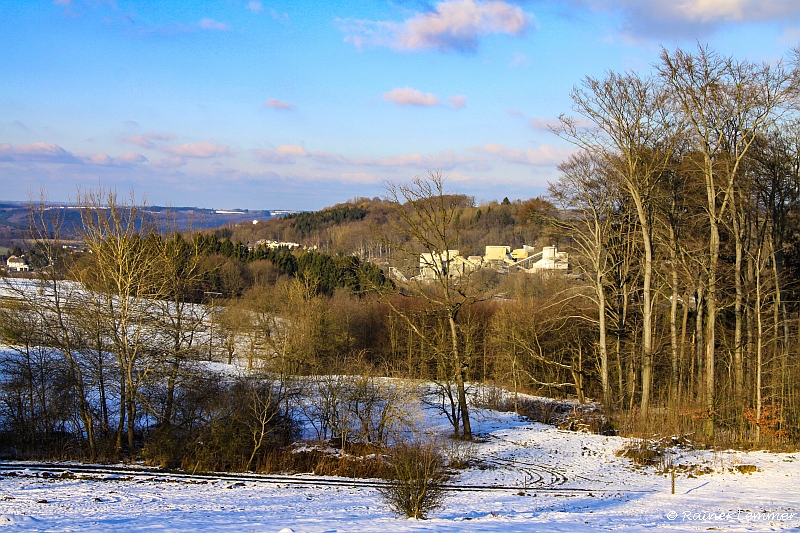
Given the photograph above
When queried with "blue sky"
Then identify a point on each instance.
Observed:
(300, 105)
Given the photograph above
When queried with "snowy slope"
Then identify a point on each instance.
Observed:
(544, 463)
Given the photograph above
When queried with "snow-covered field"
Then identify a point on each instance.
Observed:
(614, 494)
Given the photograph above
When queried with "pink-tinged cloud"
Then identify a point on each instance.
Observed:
(515, 113)
(130, 158)
(541, 155)
(278, 104)
(62, 2)
(139, 141)
(52, 153)
(36, 152)
(211, 24)
(458, 101)
(105, 160)
(291, 149)
(200, 150)
(452, 25)
(285, 154)
(288, 154)
(409, 96)
(445, 159)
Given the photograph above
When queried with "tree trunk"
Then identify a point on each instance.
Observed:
(603, 348)
(711, 323)
(738, 361)
(759, 350)
(673, 321)
(460, 368)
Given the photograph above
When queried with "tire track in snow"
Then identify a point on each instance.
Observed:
(101, 473)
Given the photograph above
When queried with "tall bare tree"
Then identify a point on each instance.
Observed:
(587, 200)
(121, 283)
(635, 133)
(424, 224)
(725, 103)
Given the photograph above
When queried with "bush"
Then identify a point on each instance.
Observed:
(418, 484)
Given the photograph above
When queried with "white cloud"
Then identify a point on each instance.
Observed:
(130, 158)
(452, 25)
(211, 24)
(199, 150)
(445, 159)
(690, 18)
(278, 104)
(52, 153)
(288, 154)
(105, 160)
(36, 152)
(409, 96)
(541, 155)
(285, 154)
(255, 6)
(457, 101)
(139, 140)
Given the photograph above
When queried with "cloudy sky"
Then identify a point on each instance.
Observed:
(299, 105)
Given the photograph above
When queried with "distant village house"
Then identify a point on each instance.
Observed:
(17, 264)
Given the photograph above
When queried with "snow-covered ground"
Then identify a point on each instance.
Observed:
(615, 494)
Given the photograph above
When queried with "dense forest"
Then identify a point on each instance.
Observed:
(679, 314)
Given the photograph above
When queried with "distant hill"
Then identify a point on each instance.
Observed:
(354, 227)
(14, 218)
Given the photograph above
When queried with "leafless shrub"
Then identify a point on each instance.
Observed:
(360, 409)
(419, 474)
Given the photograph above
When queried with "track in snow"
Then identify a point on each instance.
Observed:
(136, 474)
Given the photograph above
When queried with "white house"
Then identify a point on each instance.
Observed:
(17, 264)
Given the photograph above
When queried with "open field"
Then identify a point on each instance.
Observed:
(552, 480)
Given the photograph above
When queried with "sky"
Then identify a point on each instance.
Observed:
(300, 105)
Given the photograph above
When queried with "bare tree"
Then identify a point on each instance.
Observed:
(635, 134)
(424, 228)
(725, 104)
(587, 201)
(121, 283)
(54, 301)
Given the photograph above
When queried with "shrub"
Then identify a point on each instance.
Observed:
(418, 484)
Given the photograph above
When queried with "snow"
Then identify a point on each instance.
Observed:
(540, 465)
